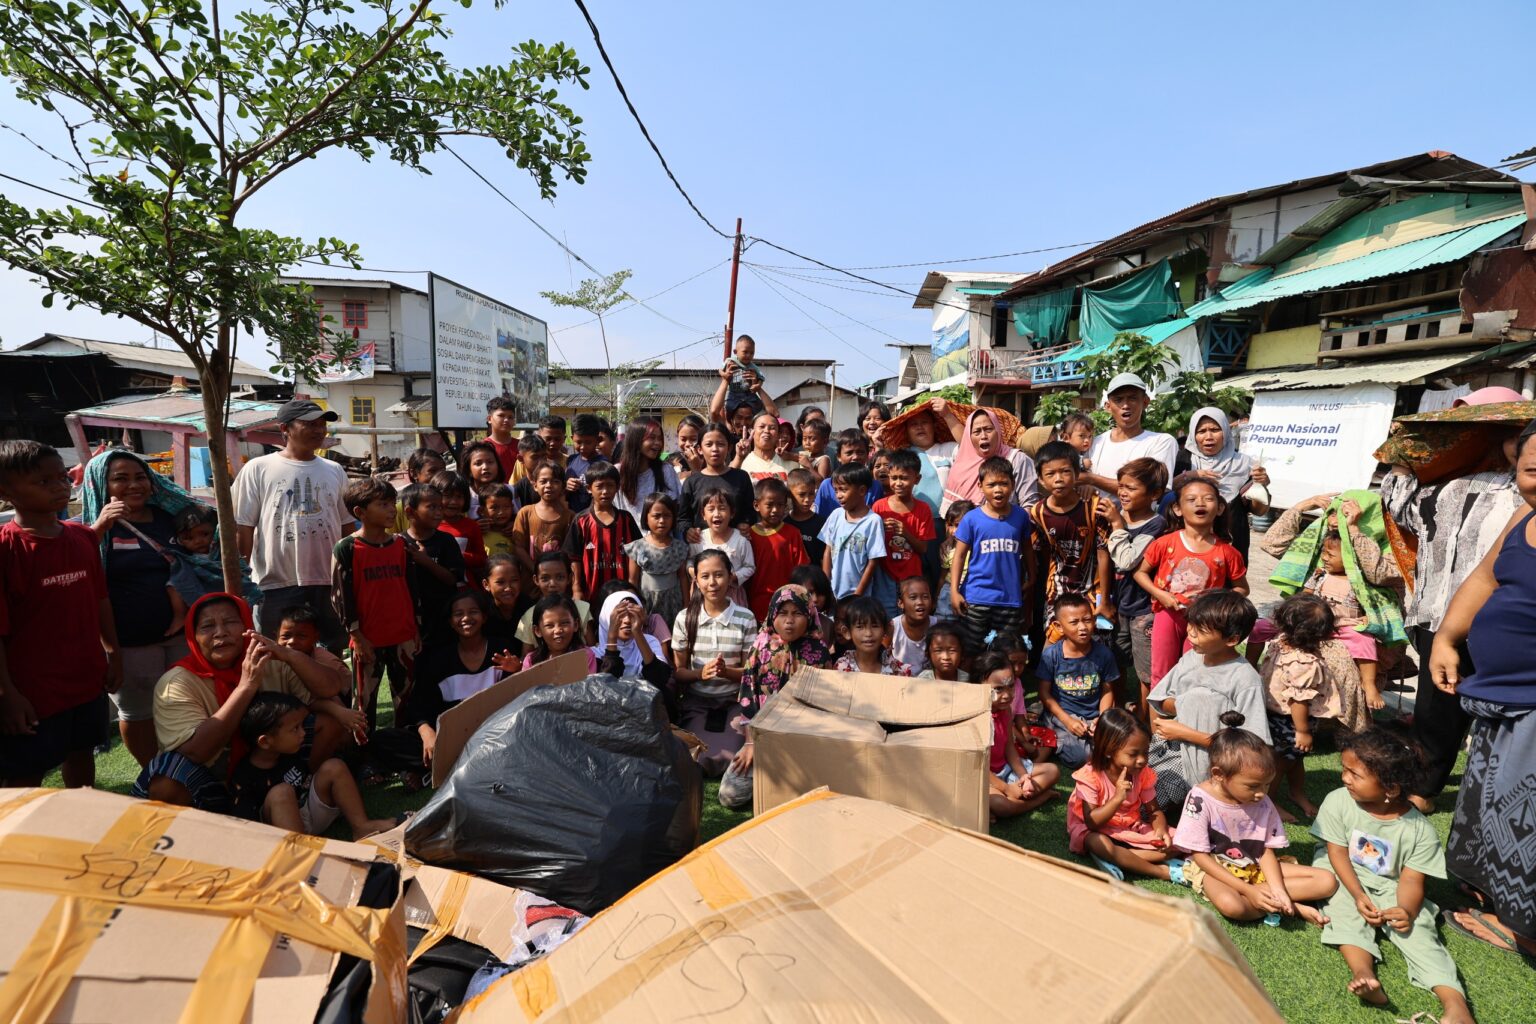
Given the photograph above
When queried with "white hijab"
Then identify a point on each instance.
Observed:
(629, 650)
(1231, 466)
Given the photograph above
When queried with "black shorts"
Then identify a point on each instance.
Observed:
(83, 727)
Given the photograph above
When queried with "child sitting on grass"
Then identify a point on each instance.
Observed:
(1112, 815)
(1017, 785)
(1077, 675)
(1308, 677)
(867, 632)
(1230, 831)
(1382, 850)
(274, 785)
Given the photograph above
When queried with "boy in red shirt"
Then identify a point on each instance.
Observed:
(53, 695)
(500, 421)
(777, 550)
(373, 586)
(908, 527)
(595, 542)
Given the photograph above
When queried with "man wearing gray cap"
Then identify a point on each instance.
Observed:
(1127, 398)
(289, 514)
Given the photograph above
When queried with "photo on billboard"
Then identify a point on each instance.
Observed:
(482, 348)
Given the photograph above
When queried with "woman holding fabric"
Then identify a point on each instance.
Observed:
(980, 439)
(199, 702)
(1214, 456)
(1494, 613)
(133, 511)
(1456, 520)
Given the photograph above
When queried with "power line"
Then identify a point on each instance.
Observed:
(967, 259)
(550, 235)
(795, 306)
(51, 192)
(695, 277)
(845, 316)
(618, 82)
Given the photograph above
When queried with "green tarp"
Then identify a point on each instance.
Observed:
(1147, 297)
(1042, 319)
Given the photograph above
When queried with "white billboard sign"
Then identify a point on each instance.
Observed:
(482, 348)
(1318, 440)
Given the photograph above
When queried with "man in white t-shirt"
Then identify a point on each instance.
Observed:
(289, 514)
(1127, 398)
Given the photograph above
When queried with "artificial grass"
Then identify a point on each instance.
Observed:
(1305, 979)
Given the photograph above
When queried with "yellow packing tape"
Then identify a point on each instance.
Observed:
(445, 915)
(124, 868)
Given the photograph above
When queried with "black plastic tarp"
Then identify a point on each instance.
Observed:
(577, 793)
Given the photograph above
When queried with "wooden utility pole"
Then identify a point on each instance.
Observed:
(730, 311)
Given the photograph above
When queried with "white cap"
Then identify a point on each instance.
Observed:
(1127, 380)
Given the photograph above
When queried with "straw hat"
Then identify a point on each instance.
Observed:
(894, 433)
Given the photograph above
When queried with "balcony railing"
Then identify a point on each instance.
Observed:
(1035, 365)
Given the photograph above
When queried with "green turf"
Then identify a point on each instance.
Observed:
(1305, 979)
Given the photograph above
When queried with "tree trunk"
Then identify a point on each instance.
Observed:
(215, 391)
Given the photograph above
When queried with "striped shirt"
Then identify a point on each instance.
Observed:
(728, 635)
(596, 549)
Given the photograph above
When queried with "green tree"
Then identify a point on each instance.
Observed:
(598, 296)
(1055, 407)
(1178, 394)
(614, 387)
(1128, 353)
(172, 117)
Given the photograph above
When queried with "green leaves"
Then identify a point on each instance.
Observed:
(596, 295)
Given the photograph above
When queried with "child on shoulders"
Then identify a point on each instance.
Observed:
(739, 371)
(273, 783)
(1381, 849)
(1230, 831)
(1076, 675)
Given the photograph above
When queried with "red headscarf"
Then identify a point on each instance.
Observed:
(224, 679)
(964, 482)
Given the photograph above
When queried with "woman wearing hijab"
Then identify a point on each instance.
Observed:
(982, 439)
(624, 649)
(787, 642)
(133, 510)
(200, 701)
(1213, 455)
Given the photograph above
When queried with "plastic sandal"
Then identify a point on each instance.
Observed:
(1176, 872)
(1112, 870)
(1272, 919)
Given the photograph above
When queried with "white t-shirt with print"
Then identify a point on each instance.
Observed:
(298, 510)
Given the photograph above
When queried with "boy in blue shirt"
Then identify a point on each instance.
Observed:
(852, 450)
(854, 536)
(1075, 674)
(993, 561)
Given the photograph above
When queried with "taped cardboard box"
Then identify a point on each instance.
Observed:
(922, 744)
(837, 908)
(127, 910)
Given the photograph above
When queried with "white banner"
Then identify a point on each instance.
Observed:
(359, 367)
(482, 348)
(1318, 440)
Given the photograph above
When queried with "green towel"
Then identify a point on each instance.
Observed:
(1383, 617)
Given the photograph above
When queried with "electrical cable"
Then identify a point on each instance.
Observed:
(624, 93)
(845, 316)
(648, 298)
(796, 307)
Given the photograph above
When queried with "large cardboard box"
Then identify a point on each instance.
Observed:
(835, 908)
(127, 910)
(922, 744)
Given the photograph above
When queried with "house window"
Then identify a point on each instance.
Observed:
(354, 314)
(362, 411)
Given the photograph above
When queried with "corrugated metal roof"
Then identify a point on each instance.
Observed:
(185, 409)
(1391, 371)
(1272, 283)
(171, 360)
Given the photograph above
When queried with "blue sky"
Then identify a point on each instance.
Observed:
(864, 133)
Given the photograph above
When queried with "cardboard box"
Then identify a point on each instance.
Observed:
(456, 725)
(837, 908)
(127, 910)
(922, 744)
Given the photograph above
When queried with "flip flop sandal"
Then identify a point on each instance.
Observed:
(1473, 894)
(1112, 870)
(1176, 872)
(1496, 930)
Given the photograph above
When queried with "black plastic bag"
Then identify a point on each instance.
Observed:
(577, 793)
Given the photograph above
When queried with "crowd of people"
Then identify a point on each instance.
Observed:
(1097, 584)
